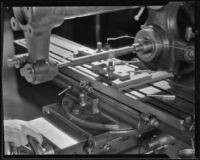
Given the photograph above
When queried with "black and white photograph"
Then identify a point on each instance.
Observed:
(97, 80)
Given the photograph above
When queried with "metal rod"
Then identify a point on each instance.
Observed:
(99, 56)
(163, 97)
(97, 28)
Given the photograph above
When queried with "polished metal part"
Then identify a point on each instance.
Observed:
(33, 148)
(66, 89)
(186, 153)
(129, 112)
(163, 97)
(99, 56)
(170, 36)
(83, 102)
(161, 140)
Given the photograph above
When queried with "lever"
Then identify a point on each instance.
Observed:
(66, 89)
(137, 17)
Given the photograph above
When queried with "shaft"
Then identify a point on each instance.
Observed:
(99, 56)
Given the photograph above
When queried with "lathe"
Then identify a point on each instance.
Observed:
(144, 105)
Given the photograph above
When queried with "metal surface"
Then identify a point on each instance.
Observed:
(126, 105)
(32, 148)
(126, 97)
(103, 118)
(37, 23)
(165, 28)
(159, 38)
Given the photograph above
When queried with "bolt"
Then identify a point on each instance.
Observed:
(83, 100)
(110, 68)
(99, 47)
